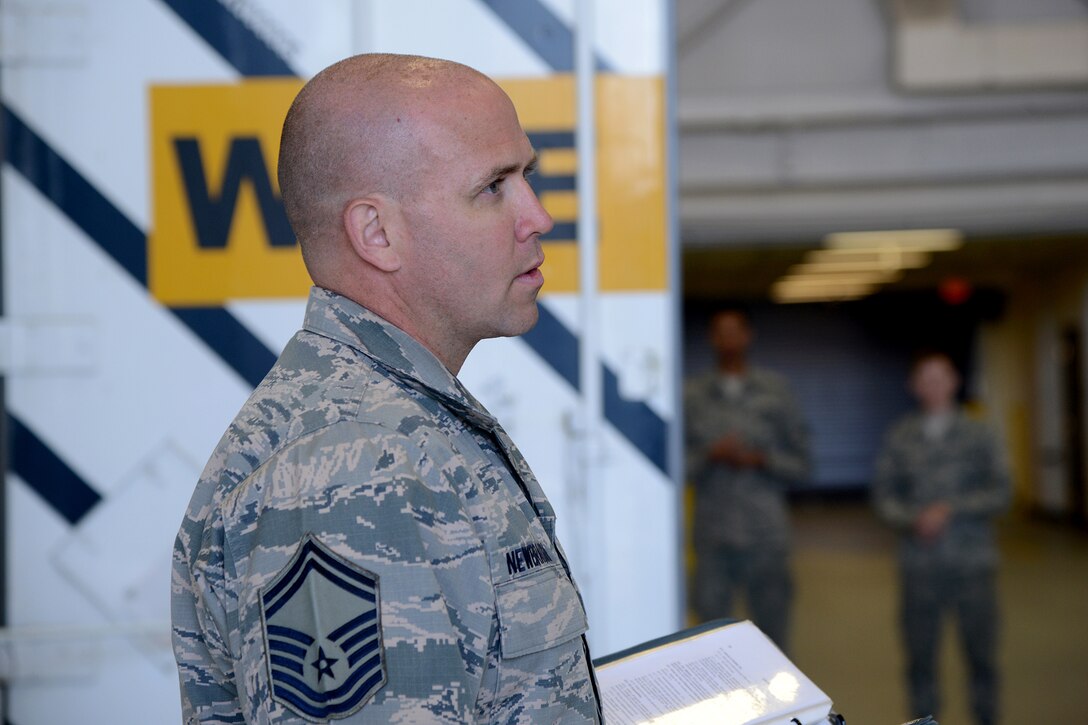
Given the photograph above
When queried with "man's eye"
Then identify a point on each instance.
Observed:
(493, 187)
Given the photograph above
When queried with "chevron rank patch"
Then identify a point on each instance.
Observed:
(323, 637)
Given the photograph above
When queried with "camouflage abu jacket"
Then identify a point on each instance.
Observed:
(964, 468)
(367, 545)
(744, 508)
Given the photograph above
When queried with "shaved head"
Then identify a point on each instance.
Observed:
(354, 130)
(406, 181)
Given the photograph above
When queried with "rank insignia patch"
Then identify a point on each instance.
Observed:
(323, 637)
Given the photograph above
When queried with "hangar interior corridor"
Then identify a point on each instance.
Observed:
(804, 126)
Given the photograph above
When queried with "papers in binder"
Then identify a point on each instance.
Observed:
(726, 674)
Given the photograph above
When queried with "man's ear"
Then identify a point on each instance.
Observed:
(365, 222)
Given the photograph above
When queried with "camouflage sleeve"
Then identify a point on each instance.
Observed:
(992, 492)
(887, 490)
(788, 455)
(696, 440)
(399, 626)
(200, 628)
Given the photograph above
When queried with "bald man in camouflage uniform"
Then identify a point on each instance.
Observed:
(941, 481)
(366, 543)
(747, 442)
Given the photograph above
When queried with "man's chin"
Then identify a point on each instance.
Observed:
(531, 317)
(522, 323)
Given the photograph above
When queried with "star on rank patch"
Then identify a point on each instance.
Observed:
(323, 637)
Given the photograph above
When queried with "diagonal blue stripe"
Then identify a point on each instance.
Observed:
(562, 232)
(541, 30)
(543, 184)
(230, 340)
(228, 36)
(48, 475)
(635, 420)
(556, 345)
(124, 242)
(542, 140)
(59, 182)
(75, 197)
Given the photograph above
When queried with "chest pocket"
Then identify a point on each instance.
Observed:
(538, 611)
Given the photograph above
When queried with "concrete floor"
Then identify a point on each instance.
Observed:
(844, 628)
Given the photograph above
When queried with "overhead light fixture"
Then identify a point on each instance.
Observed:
(918, 240)
(786, 292)
(843, 270)
(859, 259)
(823, 284)
(854, 264)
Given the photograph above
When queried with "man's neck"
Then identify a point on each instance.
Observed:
(732, 366)
(390, 309)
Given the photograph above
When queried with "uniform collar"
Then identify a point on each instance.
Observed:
(955, 417)
(339, 318)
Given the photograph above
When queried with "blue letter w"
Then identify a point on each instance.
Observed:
(212, 216)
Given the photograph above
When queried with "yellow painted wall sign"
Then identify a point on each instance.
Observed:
(631, 168)
(218, 227)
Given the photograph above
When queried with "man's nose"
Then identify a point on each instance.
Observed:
(535, 219)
